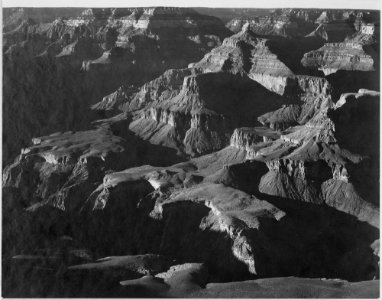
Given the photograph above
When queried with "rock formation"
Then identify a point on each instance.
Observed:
(339, 56)
(285, 22)
(98, 49)
(178, 109)
(316, 161)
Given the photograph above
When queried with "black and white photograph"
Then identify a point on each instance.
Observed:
(190, 149)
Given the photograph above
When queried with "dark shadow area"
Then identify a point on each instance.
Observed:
(291, 51)
(238, 98)
(183, 239)
(357, 130)
(142, 152)
(365, 176)
(351, 81)
(241, 176)
(323, 241)
(316, 240)
(120, 229)
(357, 125)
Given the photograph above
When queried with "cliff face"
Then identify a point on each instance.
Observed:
(315, 95)
(339, 56)
(246, 137)
(245, 53)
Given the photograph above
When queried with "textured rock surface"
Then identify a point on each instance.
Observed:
(201, 119)
(319, 153)
(180, 109)
(285, 22)
(339, 56)
(45, 61)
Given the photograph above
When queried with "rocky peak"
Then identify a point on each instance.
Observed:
(246, 35)
(247, 137)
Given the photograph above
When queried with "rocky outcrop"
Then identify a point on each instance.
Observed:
(270, 72)
(165, 86)
(68, 163)
(112, 101)
(222, 216)
(296, 180)
(245, 137)
(339, 56)
(245, 53)
(62, 170)
(344, 197)
(315, 93)
(314, 86)
(198, 117)
(282, 118)
(322, 142)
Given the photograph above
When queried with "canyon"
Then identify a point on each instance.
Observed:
(180, 152)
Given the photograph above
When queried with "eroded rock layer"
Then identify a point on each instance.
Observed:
(339, 56)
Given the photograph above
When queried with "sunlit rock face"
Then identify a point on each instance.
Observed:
(339, 56)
